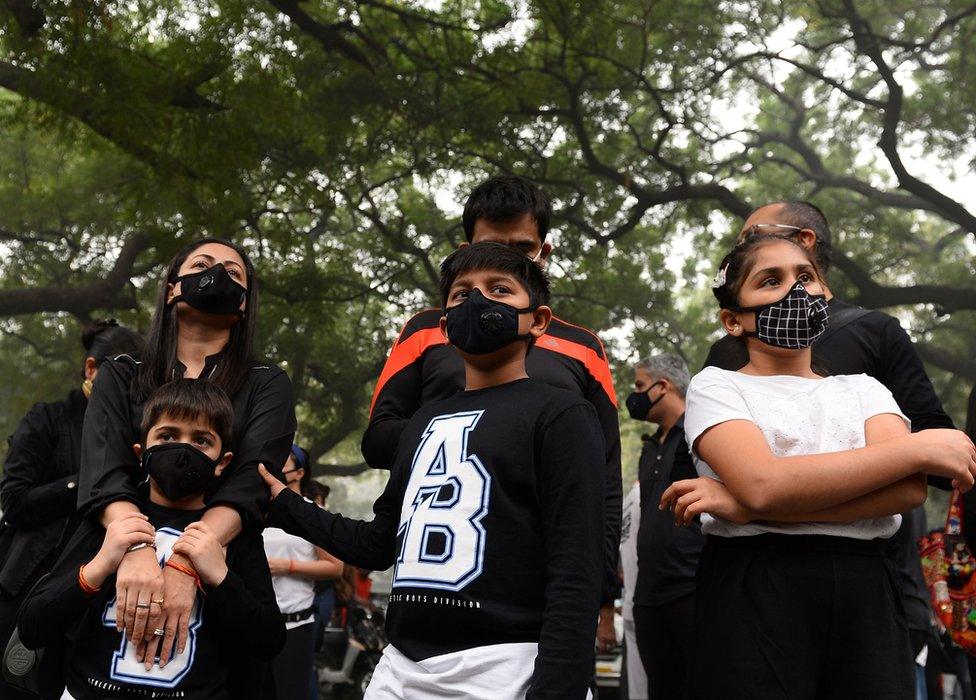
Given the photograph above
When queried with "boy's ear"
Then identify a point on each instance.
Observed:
(443, 326)
(222, 464)
(731, 322)
(463, 244)
(541, 318)
(137, 448)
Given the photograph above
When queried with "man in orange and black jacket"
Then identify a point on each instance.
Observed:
(423, 367)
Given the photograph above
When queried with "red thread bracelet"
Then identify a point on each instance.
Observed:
(86, 587)
(186, 570)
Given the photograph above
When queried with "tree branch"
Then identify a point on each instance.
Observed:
(867, 43)
(875, 296)
(329, 36)
(105, 294)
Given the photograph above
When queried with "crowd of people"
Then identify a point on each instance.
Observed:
(163, 536)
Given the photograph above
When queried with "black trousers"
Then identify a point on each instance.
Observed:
(294, 666)
(799, 617)
(664, 642)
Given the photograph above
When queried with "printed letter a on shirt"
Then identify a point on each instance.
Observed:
(441, 539)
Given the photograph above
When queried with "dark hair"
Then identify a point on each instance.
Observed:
(738, 263)
(505, 197)
(159, 357)
(301, 462)
(809, 215)
(191, 399)
(315, 489)
(105, 339)
(495, 256)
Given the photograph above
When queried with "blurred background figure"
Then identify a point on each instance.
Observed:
(295, 567)
(38, 491)
(635, 677)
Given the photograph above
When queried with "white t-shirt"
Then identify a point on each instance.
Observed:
(797, 416)
(628, 547)
(294, 593)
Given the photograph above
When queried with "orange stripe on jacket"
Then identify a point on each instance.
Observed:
(410, 350)
(405, 354)
(597, 366)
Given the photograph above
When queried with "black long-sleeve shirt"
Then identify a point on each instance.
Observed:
(264, 427)
(493, 515)
(667, 556)
(232, 630)
(38, 491)
(423, 367)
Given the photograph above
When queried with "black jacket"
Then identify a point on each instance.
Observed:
(264, 427)
(37, 491)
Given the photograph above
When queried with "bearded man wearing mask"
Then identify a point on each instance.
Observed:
(667, 556)
(422, 367)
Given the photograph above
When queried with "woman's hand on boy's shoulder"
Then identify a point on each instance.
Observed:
(274, 483)
(200, 545)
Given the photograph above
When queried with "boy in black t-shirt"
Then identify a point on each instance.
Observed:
(235, 619)
(493, 513)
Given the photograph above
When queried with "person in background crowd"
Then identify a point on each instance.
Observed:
(203, 327)
(667, 556)
(803, 478)
(636, 678)
(860, 341)
(318, 493)
(38, 491)
(295, 566)
(422, 367)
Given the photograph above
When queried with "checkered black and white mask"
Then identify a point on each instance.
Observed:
(794, 322)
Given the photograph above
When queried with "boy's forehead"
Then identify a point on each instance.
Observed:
(469, 278)
(197, 423)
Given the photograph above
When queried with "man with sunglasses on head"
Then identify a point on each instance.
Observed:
(860, 341)
(422, 367)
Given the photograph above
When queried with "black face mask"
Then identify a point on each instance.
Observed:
(639, 404)
(179, 469)
(212, 291)
(793, 322)
(479, 325)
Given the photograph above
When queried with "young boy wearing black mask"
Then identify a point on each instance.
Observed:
(185, 425)
(493, 513)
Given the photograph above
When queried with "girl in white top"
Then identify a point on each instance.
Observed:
(295, 566)
(801, 477)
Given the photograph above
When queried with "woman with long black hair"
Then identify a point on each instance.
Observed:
(38, 492)
(203, 327)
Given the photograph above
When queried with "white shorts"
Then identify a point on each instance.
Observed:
(495, 672)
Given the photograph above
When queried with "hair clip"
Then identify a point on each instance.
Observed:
(719, 280)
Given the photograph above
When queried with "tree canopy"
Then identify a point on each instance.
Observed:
(336, 140)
